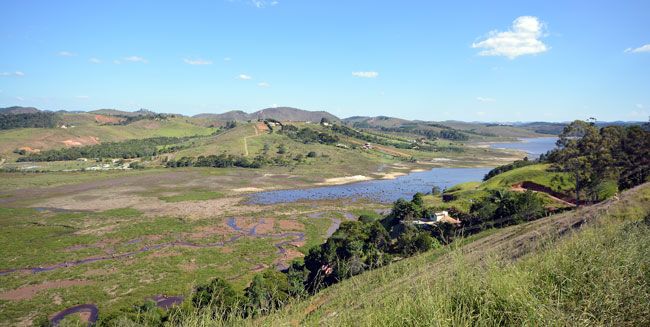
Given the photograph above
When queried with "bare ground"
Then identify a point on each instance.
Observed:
(28, 292)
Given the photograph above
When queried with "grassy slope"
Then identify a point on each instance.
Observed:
(467, 192)
(598, 275)
(535, 173)
(86, 127)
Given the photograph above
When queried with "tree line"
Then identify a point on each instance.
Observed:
(135, 148)
(29, 120)
(217, 161)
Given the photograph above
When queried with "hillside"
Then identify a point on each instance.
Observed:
(536, 273)
(279, 113)
(115, 112)
(447, 129)
(18, 110)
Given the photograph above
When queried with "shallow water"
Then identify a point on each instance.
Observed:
(388, 191)
(383, 190)
(533, 146)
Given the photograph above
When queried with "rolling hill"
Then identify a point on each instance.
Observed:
(18, 110)
(279, 113)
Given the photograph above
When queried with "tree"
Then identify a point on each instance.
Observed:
(268, 291)
(412, 241)
(577, 154)
(218, 295)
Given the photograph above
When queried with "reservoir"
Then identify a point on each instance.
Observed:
(389, 190)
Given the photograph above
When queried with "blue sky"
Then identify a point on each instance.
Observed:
(462, 60)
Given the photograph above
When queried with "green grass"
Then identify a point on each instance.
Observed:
(192, 195)
(596, 276)
(535, 173)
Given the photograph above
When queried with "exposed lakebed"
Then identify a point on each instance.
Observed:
(389, 190)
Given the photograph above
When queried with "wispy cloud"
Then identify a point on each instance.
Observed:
(95, 61)
(135, 59)
(66, 54)
(643, 48)
(15, 74)
(480, 113)
(263, 84)
(524, 38)
(639, 106)
(484, 99)
(244, 77)
(82, 97)
(263, 3)
(20, 98)
(227, 59)
(369, 74)
(197, 61)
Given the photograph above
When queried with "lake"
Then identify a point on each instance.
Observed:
(389, 190)
(533, 146)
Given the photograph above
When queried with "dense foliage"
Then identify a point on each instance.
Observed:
(216, 161)
(135, 148)
(445, 132)
(29, 120)
(308, 135)
(594, 156)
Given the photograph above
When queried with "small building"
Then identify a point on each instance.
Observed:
(438, 217)
(443, 216)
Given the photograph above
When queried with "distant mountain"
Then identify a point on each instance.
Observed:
(379, 121)
(237, 115)
(18, 110)
(115, 112)
(280, 113)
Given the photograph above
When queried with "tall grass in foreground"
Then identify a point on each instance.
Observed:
(600, 275)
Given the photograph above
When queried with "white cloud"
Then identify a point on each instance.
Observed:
(20, 98)
(263, 3)
(365, 74)
(82, 97)
(263, 84)
(95, 61)
(643, 48)
(16, 74)
(484, 99)
(66, 54)
(522, 39)
(136, 59)
(197, 61)
(244, 77)
(480, 113)
(227, 59)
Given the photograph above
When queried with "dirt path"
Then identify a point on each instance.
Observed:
(520, 187)
(257, 133)
(383, 149)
